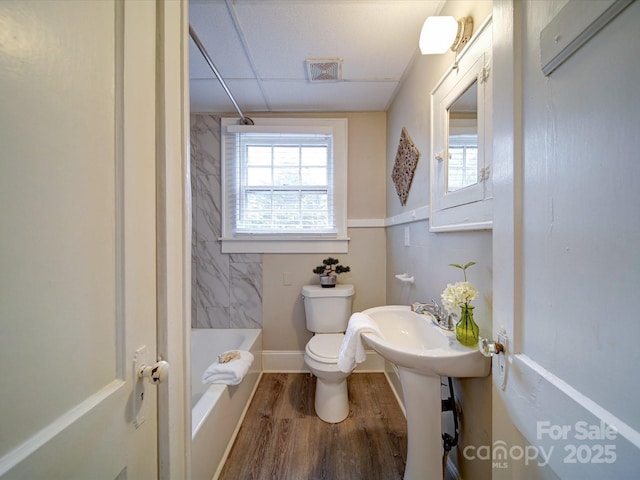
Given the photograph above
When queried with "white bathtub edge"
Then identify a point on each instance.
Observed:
(227, 451)
(213, 437)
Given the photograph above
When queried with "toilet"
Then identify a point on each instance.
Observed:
(327, 311)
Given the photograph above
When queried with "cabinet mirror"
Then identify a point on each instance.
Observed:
(462, 143)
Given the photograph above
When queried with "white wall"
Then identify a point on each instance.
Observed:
(581, 206)
(428, 256)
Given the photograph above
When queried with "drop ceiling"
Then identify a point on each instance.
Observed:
(260, 48)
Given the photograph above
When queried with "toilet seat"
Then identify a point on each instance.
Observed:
(324, 347)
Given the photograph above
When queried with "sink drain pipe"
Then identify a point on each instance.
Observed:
(448, 442)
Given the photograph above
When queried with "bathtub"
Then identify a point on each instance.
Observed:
(217, 410)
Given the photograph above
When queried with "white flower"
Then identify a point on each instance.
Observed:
(457, 295)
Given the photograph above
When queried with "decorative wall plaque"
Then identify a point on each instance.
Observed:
(405, 165)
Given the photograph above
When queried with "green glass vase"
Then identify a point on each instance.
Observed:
(466, 329)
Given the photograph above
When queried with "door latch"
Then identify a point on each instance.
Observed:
(491, 348)
(156, 373)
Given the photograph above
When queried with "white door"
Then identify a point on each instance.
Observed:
(78, 242)
(566, 237)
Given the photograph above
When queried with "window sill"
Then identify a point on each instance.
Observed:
(285, 245)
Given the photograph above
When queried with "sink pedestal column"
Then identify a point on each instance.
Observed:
(423, 405)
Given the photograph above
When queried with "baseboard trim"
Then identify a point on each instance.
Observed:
(283, 361)
(292, 361)
(393, 379)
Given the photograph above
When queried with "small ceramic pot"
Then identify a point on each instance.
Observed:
(328, 281)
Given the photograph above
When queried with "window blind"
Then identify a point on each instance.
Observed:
(279, 180)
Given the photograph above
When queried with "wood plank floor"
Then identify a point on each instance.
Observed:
(281, 438)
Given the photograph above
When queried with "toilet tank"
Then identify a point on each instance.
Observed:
(327, 310)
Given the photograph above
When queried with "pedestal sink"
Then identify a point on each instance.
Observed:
(423, 352)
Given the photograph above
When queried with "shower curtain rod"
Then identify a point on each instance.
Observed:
(245, 120)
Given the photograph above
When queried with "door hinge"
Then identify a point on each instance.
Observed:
(484, 74)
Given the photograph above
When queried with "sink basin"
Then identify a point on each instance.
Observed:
(413, 341)
(423, 352)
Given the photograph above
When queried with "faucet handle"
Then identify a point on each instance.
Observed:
(437, 307)
(418, 307)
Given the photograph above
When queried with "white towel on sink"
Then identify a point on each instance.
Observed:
(352, 348)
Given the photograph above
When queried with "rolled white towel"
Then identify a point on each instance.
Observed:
(352, 348)
(229, 369)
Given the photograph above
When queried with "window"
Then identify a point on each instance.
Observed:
(284, 186)
(284, 183)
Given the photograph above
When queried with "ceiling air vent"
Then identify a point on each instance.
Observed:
(324, 69)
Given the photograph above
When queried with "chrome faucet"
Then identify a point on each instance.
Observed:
(439, 315)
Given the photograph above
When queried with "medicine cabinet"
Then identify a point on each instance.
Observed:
(461, 140)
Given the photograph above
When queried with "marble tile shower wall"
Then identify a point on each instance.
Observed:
(226, 289)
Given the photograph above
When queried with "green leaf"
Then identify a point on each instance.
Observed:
(463, 268)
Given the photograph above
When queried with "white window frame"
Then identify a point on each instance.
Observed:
(337, 242)
(464, 143)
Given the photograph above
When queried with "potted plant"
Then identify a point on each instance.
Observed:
(328, 270)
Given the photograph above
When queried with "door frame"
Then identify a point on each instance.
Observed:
(174, 239)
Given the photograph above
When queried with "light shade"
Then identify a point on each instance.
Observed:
(437, 35)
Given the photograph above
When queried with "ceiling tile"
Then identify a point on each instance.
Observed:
(260, 48)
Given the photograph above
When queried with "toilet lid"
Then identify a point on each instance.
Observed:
(325, 347)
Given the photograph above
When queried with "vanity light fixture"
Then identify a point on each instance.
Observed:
(440, 34)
